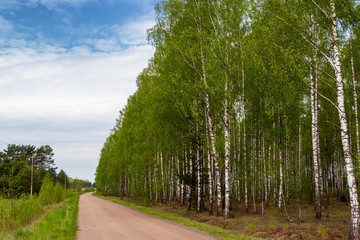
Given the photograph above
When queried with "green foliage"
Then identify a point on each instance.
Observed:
(50, 193)
(89, 189)
(63, 178)
(77, 184)
(59, 223)
(16, 212)
(321, 230)
(251, 227)
(19, 211)
(47, 193)
(249, 61)
(272, 226)
(15, 168)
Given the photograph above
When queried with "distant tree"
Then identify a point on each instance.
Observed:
(63, 178)
(15, 168)
(87, 184)
(77, 184)
(44, 158)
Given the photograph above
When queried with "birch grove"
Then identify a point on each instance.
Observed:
(244, 102)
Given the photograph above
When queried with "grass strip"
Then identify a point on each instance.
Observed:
(59, 223)
(213, 230)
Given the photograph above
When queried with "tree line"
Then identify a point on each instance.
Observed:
(21, 163)
(250, 102)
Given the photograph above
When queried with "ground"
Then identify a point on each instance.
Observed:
(274, 224)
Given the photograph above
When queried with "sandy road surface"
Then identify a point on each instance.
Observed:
(102, 219)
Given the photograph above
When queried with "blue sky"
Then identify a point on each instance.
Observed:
(66, 69)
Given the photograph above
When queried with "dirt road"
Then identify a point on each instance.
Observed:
(102, 219)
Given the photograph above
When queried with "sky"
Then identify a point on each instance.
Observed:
(67, 68)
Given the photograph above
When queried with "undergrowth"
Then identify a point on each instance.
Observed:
(59, 223)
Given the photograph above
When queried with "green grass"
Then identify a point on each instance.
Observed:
(213, 230)
(58, 223)
(16, 212)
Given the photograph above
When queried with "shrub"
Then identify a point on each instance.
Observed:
(272, 226)
(59, 192)
(322, 230)
(46, 194)
(16, 212)
(251, 227)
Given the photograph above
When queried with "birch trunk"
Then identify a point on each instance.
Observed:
(183, 188)
(315, 145)
(210, 173)
(189, 187)
(244, 130)
(281, 176)
(227, 156)
(162, 178)
(321, 188)
(198, 170)
(355, 93)
(265, 176)
(354, 202)
(212, 139)
(178, 187)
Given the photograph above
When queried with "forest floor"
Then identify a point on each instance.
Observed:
(274, 224)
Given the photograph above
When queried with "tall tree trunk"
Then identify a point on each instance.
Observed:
(315, 145)
(162, 178)
(198, 171)
(243, 114)
(178, 181)
(281, 176)
(210, 173)
(354, 202)
(189, 185)
(321, 185)
(212, 139)
(227, 155)
(265, 175)
(183, 186)
(355, 93)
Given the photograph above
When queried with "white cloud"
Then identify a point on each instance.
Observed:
(112, 38)
(134, 33)
(5, 26)
(53, 4)
(60, 96)
(13, 4)
(68, 98)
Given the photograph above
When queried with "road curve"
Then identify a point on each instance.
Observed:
(102, 219)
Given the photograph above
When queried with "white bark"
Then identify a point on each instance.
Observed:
(244, 130)
(265, 177)
(162, 178)
(183, 171)
(178, 185)
(227, 156)
(189, 187)
(281, 177)
(212, 139)
(198, 170)
(355, 93)
(354, 202)
(253, 169)
(315, 145)
(210, 173)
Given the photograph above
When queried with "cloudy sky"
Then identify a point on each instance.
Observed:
(66, 69)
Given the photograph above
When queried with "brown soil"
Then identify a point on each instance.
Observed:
(274, 224)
